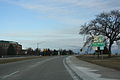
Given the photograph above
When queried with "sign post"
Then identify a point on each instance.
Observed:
(98, 43)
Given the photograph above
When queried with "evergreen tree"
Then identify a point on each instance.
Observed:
(11, 50)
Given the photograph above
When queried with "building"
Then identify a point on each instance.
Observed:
(4, 45)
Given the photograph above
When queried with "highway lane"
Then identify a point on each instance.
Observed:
(45, 68)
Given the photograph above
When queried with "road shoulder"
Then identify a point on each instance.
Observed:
(89, 71)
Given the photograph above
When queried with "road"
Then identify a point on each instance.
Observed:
(45, 68)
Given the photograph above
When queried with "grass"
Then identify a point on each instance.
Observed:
(4, 61)
(113, 62)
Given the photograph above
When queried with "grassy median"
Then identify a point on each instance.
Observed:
(4, 61)
(113, 62)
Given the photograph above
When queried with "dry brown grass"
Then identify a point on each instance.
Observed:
(4, 61)
(113, 62)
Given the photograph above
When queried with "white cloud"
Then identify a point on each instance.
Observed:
(39, 6)
(60, 13)
(64, 5)
(92, 3)
(62, 8)
(67, 13)
(65, 10)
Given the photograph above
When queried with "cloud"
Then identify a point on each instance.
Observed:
(93, 3)
(39, 6)
(60, 13)
(55, 40)
(55, 35)
(62, 43)
(68, 13)
(63, 6)
(67, 9)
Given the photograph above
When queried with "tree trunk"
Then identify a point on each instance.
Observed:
(98, 52)
(98, 55)
(110, 45)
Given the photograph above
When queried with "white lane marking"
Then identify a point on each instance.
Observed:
(6, 76)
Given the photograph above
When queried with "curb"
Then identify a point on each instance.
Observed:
(74, 75)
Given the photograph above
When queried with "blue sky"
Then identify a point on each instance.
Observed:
(51, 23)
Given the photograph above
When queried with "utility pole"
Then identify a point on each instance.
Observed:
(37, 45)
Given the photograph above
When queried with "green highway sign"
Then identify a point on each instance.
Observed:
(98, 44)
(98, 41)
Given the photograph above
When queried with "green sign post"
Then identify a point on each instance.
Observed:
(98, 43)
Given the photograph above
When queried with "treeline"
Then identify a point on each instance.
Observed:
(47, 52)
(12, 51)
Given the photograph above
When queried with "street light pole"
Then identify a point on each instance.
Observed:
(37, 45)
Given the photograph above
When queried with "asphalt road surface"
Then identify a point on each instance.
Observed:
(45, 68)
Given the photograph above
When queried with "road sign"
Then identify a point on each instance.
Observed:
(102, 48)
(94, 48)
(98, 41)
(98, 44)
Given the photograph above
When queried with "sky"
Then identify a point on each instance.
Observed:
(51, 24)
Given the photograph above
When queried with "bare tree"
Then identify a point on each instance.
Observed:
(37, 51)
(106, 24)
(30, 51)
(11, 50)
